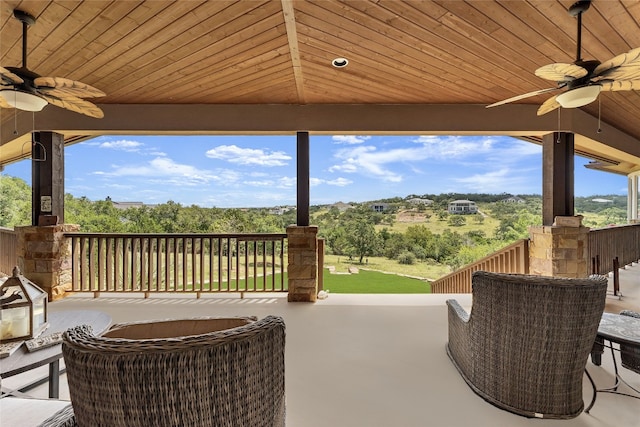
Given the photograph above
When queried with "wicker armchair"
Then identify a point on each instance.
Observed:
(525, 345)
(196, 372)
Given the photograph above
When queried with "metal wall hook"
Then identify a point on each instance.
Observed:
(43, 158)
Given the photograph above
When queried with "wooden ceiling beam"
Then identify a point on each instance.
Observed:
(292, 36)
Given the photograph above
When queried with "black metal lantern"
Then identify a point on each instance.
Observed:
(23, 309)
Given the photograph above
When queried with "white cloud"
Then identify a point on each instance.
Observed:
(391, 164)
(265, 183)
(349, 139)
(123, 145)
(338, 182)
(447, 147)
(165, 171)
(497, 181)
(287, 182)
(314, 182)
(249, 156)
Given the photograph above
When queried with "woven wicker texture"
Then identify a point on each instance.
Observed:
(232, 377)
(630, 355)
(524, 347)
(62, 418)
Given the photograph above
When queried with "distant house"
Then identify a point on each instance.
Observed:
(341, 206)
(463, 207)
(513, 199)
(280, 210)
(602, 200)
(124, 205)
(379, 207)
(420, 201)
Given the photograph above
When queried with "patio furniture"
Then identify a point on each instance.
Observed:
(59, 321)
(194, 372)
(525, 344)
(623, 329)
(629, 353)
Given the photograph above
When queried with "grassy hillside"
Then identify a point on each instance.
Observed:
(406, 218)
(424, 270)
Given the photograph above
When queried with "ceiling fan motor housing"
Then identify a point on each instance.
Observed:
(579, 7)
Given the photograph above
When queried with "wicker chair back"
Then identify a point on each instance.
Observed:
(228, 377)
(525, 344)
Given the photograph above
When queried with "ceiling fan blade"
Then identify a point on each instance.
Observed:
(9, 77)
(73, 103)
(619, 85)
(560, 72)
(525, 95)
(548, 106)
(71, 87)
(4, 103)
(625, 66)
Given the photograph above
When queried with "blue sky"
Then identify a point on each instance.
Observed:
(260, 171)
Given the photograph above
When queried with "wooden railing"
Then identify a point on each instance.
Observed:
(606, 245)
(178, 262)
(8, 250)
(511, 259)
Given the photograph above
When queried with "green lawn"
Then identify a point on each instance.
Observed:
(425, 270)
(373, 282)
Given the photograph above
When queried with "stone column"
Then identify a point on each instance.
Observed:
(560, 251)
(303, 263)
(44, 257)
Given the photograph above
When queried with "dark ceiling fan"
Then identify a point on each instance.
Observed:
(23, 89)
(584, 80)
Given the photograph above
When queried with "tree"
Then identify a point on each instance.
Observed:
(362, 239)
(336, 239)
(394, 245)
(15, 202)
(457, 220)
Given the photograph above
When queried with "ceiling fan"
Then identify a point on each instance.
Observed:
(584, 80)
(23, 89)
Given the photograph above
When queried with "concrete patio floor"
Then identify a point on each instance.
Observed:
(372, 360)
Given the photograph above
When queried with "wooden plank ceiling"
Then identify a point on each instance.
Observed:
(280, 51)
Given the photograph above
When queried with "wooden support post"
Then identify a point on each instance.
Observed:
(47, 170)
(557, 176)
(302, 179)
(616, 276)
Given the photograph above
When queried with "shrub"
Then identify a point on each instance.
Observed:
(406, 258)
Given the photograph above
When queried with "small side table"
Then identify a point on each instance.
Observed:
(23, 361)
(615, 329)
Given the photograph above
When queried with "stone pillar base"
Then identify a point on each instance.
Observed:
(44, 257)
(303, 263)
(559, 251)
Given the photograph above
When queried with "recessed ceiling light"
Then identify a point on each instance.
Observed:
(340, 62)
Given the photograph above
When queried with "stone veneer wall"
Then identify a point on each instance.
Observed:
(559, 251)
(303, 263)
(44, 257)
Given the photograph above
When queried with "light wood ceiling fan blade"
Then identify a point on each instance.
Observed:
(9, 77)
(620, 85)
(631, 72)
(523, 96)
(75, 104)
(560, 72)
(548, 106)
(4, 103)
(625, 66)
(72, 87)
